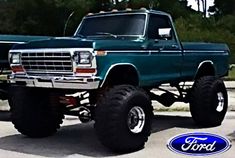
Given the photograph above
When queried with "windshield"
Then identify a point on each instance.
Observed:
(113, 25)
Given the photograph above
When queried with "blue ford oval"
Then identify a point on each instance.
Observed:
(198, 144)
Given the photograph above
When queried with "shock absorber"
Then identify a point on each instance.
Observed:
(78, 105)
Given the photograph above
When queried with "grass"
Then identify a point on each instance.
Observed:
(232, 74)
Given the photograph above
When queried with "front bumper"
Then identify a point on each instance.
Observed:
(79, 83)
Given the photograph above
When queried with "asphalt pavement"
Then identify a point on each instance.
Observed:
(75, 140)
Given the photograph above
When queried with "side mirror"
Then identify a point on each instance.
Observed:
(164, 32)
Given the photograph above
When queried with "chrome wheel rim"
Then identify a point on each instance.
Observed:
(220, 105)
(136, 119)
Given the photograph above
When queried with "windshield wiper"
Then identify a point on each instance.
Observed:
(106, 33)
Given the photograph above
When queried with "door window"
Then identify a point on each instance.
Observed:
(160, 28)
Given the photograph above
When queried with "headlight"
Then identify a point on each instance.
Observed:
(15, 58)
(83, 57)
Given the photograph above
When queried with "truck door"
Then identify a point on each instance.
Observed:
(165, 50)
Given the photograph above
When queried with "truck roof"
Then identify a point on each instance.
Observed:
(114, 12)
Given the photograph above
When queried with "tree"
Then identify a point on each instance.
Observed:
(42, 17)
(198, 5)
(223, 7)
(6, 12)
(204, 6)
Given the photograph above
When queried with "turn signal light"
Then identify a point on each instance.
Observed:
(17, 69)
(87, 70)
(101, 53)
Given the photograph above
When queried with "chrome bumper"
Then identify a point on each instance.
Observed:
(81, 83)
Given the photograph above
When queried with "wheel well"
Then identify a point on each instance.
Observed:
(122, 74)
(205, 69)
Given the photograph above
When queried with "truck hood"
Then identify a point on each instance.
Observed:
(55, 43)
(96, 44)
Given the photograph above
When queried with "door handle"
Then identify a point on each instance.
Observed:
(174, 46)
(144, 46)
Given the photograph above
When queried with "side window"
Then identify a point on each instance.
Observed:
(159, 28)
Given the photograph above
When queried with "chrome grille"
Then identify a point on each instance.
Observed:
(47, 62)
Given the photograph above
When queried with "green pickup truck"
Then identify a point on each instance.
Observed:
(106, 72)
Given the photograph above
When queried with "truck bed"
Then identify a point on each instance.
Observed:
(204, 46)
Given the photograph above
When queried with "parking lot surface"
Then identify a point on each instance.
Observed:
(79, 140)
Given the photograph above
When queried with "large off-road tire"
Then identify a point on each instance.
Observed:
(209, 101)
(123, 118)
(34, 112)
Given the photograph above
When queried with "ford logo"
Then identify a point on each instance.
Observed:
(198, 144)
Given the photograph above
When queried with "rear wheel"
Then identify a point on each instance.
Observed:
(123, 118)
(35, 112)
(209, 101)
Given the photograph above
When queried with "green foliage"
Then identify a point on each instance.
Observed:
(231, 74)
(227, 22)
(223, 7)
(42, 17)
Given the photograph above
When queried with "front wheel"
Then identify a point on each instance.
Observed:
(34, 112)
(209, 101)
(123, 118)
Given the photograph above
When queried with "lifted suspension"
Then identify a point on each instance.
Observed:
(78, 105)
(168, 98)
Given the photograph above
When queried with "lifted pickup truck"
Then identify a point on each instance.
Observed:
(106, 72)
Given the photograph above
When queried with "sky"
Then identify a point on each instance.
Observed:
(194, 3)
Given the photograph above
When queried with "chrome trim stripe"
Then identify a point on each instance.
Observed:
(126, 51)
(205, 61)
(12, 42)
(196, 51)
(147, 51)
(88, 49)
(170, 51)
